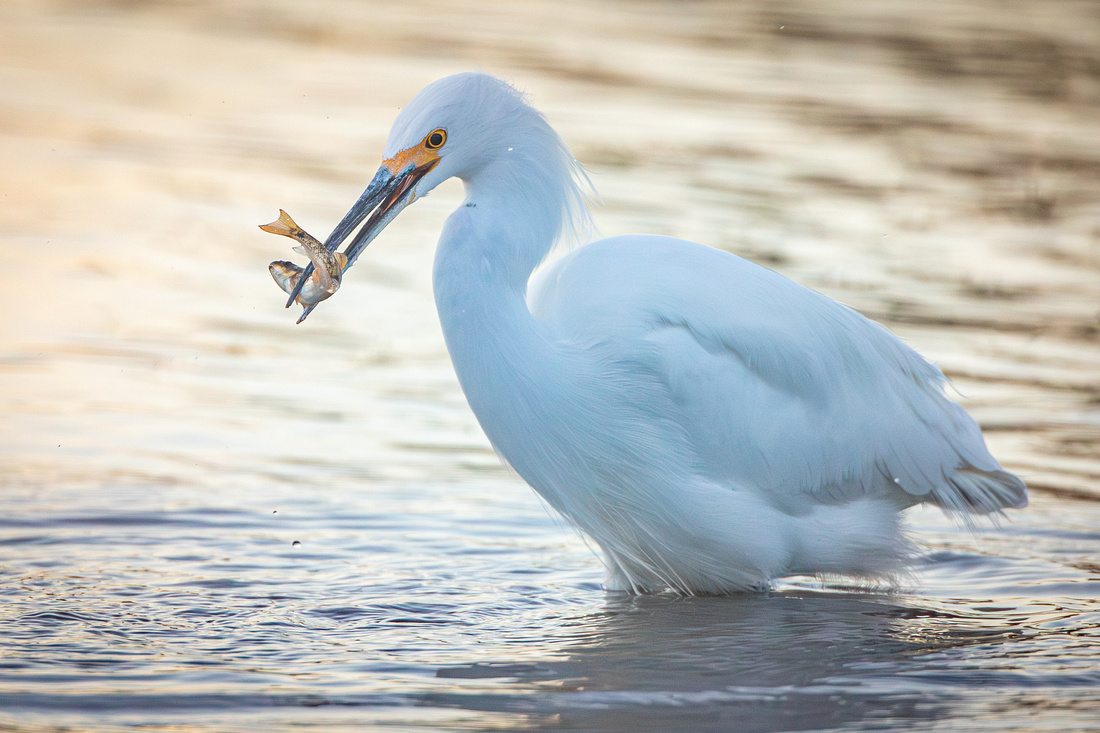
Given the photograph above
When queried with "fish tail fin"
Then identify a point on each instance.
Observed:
(284, 225)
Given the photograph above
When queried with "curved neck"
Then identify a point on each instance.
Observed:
(511, 217)
(483, 261)
(482, 264)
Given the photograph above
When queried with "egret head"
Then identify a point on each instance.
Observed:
(463, 126)
(457, 125)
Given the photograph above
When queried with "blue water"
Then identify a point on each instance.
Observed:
(464, 605)
(215, 520)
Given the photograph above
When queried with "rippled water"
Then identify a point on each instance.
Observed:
(217, 520)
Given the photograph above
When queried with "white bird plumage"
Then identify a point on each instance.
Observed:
(710, 424)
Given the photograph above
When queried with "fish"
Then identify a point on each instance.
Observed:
(328, 266)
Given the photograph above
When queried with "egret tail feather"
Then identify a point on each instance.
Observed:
(971, 490)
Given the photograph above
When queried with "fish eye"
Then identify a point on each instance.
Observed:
(435, 139)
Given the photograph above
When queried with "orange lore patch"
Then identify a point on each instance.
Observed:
(416, 156)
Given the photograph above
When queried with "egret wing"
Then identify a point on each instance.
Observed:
(777, 388)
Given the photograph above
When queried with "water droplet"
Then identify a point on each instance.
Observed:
(295, 543)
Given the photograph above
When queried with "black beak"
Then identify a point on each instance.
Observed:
(386, 196)
(376, 191)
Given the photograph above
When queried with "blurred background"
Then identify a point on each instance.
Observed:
(167, 432)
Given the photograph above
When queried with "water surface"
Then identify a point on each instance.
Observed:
(217, 520)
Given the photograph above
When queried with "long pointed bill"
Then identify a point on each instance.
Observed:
(399, 197)
(391, 191)
(379, 188)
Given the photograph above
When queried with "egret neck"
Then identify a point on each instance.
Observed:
(484, 258)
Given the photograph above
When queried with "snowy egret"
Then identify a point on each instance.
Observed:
(708, 423)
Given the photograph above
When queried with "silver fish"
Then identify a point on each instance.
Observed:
(328, 266)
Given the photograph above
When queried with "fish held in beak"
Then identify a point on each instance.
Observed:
(328, 266)
(391, 190)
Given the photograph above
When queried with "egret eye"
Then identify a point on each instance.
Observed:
(435, 139)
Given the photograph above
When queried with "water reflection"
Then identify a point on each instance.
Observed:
(487, 613)
(793, 660)
(935, 165)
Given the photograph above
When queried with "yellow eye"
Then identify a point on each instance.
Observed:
(435, 139)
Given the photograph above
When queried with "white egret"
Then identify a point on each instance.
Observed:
(710, 424)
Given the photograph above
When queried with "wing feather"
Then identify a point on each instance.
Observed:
(778, 388)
